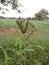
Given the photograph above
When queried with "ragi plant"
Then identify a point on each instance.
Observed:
(21, 52)
(27, 49)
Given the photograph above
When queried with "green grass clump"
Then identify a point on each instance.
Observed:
(9, 23)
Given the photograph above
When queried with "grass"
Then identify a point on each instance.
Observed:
(31, 55)
(8, 23)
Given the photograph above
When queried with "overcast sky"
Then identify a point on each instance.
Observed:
(34, 6)
(30, 7)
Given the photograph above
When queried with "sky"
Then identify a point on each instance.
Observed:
(30, 7)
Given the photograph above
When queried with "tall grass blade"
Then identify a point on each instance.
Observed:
(5, 54)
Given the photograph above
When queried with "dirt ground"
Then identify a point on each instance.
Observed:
(13, 31)
(9, 30)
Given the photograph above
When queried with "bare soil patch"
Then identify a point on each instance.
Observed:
(9, 30)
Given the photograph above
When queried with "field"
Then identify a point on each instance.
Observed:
(17, 48)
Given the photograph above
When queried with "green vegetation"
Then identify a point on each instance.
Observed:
(22, 49)
(41, 15)
(8, 23)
